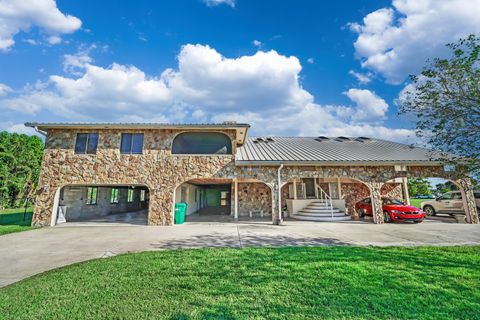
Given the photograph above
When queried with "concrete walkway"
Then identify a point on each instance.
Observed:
(27, 253)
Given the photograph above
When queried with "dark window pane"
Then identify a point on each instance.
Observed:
(126, 144)
(81, 143)
(92, 143)
(137, 143)
(202, 143)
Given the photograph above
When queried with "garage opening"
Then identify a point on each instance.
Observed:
(206, 197)
(103, 204)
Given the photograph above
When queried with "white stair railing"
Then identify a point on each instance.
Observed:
(326, 199)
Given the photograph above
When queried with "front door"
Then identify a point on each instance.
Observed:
(309, 187)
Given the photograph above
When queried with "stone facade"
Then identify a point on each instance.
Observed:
(156, 169)
(352, 193)
(161, 172)
(254, 196)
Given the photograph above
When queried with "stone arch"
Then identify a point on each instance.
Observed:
(255, 195)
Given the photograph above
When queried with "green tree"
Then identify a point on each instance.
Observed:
(20, 159)
(419, 186)
(445, 101)
(446, 187)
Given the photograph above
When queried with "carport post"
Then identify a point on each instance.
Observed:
(235, 185)
(405, 190)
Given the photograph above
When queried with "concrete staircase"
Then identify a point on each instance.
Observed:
(319, 210)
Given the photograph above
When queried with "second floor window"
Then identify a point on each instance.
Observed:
(132, 143)
(86, 143)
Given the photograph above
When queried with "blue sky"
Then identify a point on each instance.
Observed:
(287, 67)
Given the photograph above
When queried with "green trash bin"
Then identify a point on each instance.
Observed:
(180, 212)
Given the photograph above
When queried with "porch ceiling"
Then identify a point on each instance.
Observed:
(209, 181)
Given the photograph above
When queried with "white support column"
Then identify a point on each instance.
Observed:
(235, 184)
(405, 190)
(294, 189)
(315, 186)
(339, 186)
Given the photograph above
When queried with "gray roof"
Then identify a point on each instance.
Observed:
(329, 150)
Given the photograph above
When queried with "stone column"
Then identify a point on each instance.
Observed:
(161, 206)
(275, 208)
(468, 197)
(45, 205)
(375, 196)
(406, 195)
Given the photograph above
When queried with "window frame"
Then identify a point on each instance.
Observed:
(92, 201)
(114, 199)
(228, 154)
(87, 141)
(131, 134)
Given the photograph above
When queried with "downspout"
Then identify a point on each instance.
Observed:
(43, 133)
(280, 219)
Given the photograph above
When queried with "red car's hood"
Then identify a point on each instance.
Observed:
(403, 208)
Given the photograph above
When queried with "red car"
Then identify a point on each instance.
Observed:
(393, 210)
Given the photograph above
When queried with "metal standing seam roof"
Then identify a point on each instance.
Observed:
(334, 150)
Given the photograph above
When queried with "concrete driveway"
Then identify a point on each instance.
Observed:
(27, 253)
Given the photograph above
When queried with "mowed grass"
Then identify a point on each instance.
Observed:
(258, 283)
(14, 220)
(416, 202)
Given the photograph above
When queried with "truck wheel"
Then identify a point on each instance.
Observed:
(429, 211)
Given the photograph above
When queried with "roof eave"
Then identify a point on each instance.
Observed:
(338, 163)
(46, 126)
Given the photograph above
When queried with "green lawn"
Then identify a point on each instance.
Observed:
(416, 202)
(262, 283)
(12, 220)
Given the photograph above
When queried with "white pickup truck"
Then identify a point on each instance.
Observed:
(450, 202)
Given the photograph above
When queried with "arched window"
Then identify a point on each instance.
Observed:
(202, 143)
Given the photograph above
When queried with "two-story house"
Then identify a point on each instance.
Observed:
(94, 170)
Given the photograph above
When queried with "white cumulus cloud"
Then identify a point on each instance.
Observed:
(213, 3)
(4, 89)
(396, 41)
(363, 78)
(21, 15)
(370, 108)
(263, 89)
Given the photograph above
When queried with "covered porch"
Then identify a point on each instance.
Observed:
(332, 199)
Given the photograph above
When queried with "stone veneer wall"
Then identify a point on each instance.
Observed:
(393, 190)
(162, 172)
(352, 193)
(254, 197)
(156, 168)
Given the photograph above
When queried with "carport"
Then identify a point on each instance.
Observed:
(126, 204)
